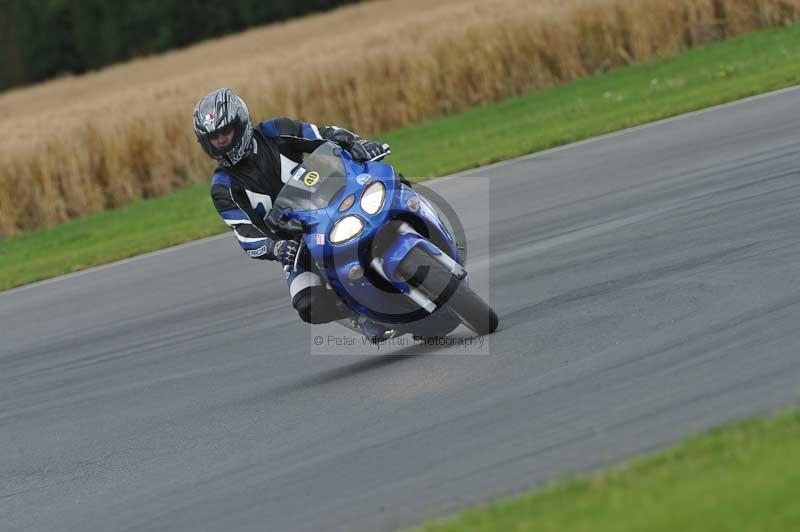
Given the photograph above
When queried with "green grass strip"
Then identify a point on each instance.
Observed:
(742, 477)
(722, 72)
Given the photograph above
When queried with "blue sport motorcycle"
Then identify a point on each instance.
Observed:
(386, 250)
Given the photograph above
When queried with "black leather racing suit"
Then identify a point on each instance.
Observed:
(244, 193)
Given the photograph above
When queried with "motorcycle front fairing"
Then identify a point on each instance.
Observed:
(319, 195)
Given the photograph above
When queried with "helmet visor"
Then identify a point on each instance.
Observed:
(222, 138)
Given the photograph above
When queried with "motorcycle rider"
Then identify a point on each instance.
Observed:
(253, 163)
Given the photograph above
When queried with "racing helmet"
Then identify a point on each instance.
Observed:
(219, 113)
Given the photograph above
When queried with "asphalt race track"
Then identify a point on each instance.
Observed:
(648, 287)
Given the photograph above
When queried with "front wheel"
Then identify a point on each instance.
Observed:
(472, 310)
(445, 288)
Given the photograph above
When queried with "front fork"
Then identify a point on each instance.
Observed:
(388, 266)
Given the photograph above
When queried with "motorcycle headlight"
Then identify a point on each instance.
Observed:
(346, 229)
(372, 198)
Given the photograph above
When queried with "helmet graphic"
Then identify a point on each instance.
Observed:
(216, 116)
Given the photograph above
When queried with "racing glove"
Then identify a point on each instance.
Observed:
(368, 150)
(285, 251)
(361, 149)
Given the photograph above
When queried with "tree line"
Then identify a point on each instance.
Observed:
(41, 39)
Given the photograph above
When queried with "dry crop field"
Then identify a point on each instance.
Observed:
(78, 145)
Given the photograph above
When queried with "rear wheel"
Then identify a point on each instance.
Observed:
(445, 288)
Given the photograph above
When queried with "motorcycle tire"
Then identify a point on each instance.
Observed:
(444, 288)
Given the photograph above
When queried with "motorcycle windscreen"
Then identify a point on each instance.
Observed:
(314, 183)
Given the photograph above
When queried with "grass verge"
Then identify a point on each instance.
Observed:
(739, 477)
(750, 64)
